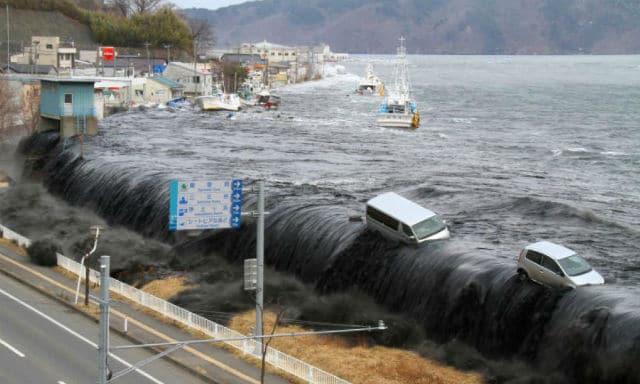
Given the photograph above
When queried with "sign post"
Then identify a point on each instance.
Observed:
(212, 204)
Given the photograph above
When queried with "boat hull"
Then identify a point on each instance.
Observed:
(399, 120)
(213, 103)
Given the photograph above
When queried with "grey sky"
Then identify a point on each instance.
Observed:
(211, 4)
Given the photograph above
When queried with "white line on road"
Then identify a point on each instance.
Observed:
(11, 348)
(76, 334)
(61, 382)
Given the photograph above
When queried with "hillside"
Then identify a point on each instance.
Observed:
(25, 23)
(436, 26)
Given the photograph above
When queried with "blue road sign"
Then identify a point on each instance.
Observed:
(208, 204)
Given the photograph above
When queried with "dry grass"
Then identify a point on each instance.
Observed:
(358, 363)
(12, 246)
(167, 288)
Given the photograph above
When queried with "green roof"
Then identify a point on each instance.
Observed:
(167, 82)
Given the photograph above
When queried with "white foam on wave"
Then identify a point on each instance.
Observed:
(461, 120)
(334, 70)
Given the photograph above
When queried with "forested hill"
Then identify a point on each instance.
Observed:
(436, 26)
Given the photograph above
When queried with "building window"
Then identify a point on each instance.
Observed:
(196, 79)
(273, 53)
(68, 98)
(49, 46)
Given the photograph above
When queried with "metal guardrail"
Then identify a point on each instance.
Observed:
(289, 364)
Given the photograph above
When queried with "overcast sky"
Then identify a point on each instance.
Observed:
(211, 4)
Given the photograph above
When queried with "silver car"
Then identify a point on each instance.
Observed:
(556, 266)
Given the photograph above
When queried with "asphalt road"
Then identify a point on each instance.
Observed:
(42, 341)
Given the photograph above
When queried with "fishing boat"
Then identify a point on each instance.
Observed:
(219, 102)
(399, 110)
(268, 100)
(370, 83)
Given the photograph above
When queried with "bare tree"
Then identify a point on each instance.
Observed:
(202, 34)
(122, 6)
(267, 341)
(9, 109)
(31, 109)
(145, 6)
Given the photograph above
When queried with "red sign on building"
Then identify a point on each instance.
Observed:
(108, 53)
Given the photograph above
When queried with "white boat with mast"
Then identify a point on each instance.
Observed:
(219, 101)
(398, 109)
(371, 83)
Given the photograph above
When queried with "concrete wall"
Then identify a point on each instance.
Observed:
(71, 126)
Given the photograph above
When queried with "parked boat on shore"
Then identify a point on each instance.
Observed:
(398, 109)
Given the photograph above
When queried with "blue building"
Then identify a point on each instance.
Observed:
(67, 105)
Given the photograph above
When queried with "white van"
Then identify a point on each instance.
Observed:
(401, 219)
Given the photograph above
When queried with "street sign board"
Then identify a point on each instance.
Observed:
(108, 53)
(208, 204)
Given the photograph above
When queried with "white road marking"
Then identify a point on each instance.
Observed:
(61, 382)
(11, 348)
(76, 334)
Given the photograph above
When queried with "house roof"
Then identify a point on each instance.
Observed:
(187, 66)
(281, 64)
(167, 82)
(69, 80)
(266, 45)
(242, 58)
(28, 68)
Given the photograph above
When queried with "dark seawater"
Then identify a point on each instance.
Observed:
(511, 150)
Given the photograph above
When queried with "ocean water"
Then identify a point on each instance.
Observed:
(510, 150)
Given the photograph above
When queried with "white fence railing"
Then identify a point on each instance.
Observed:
(274, 357)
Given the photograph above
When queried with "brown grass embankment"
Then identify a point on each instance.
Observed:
(358, 363)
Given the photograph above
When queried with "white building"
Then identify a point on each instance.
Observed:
(47, 50)
(197, 81)
(273, 52)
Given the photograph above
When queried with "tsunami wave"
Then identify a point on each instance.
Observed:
(451, 291)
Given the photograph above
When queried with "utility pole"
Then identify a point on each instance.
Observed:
(8, 41)
(260, 269)
(148, 59)
(195, 68)
(103, 342)
(95, 228)
(168, 47)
